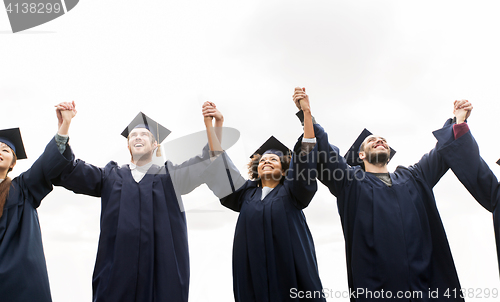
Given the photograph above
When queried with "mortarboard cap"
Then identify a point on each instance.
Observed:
(12, 138)
(352, 155)
(498, 162)
(144, 121)
(274, 146)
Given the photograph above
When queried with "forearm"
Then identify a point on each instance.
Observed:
(308, 125)
(213, 141)
(64, 129)
(218, 128)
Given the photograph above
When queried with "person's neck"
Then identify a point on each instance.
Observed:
(141, 161)
(375, 168)
(271, 183)
(3, 174)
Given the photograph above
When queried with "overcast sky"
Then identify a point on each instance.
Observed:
(394, 67)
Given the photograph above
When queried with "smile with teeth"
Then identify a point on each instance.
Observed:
(138, 145)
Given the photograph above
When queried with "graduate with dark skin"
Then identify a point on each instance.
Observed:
(23, 272)
(396, 246)
(274, 258)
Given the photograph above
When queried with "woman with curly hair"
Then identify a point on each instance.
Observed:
(274, 258)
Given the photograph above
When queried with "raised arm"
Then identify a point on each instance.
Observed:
(432, 165)
(210, 112)
(39, 178)
(187, 176)
(221, 176)
(463, 157)
(78, 176)
(301, 176)
(332, 169)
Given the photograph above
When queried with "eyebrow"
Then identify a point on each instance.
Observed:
(270, 156)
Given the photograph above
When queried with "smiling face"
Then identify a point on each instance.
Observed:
(7, 158)
(141, 143)
(270, 167)
(375, 150)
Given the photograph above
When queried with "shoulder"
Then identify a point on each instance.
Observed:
(403, 173)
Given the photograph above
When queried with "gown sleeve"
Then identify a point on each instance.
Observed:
(301, 176)
(82, 178)
(226, 182)
(432, 166)
(331, 168)
(464, 159)
(39, 178)
(186, 176)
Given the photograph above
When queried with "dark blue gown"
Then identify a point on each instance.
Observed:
(143, 247)
(395, 240)
(23, 272)
(274, 258)
(462, 155)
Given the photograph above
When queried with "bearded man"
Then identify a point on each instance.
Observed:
(396, 245)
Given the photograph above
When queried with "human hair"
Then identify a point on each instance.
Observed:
(6, 184)
(253, 166)
(4, 193)
(14, 160)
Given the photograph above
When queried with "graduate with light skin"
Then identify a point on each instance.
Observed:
(23, 272)
(274, 257)
(143, 253)
(394, 238)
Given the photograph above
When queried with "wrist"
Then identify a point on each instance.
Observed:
(460, 120)
(219, 123)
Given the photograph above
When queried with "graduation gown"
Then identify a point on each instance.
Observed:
(462, 155)
(143, 246)
(395, 240)
(274, 258)
(23, 272)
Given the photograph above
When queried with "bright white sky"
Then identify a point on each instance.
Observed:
(394, 67)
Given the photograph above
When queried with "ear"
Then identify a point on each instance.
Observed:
(362, 155)
(155, 145)
(12, 166)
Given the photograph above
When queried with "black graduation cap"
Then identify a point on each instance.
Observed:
(12, 138)
(498, 162)
(352, 155)
(274, 146)
(144, 121)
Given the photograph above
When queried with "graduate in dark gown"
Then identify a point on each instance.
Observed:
(464, 159)
(395, 240)
(23, 272)
(143, 251)
(274, 258)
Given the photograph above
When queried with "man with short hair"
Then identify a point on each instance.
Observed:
(143, 248)
(396, 245)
